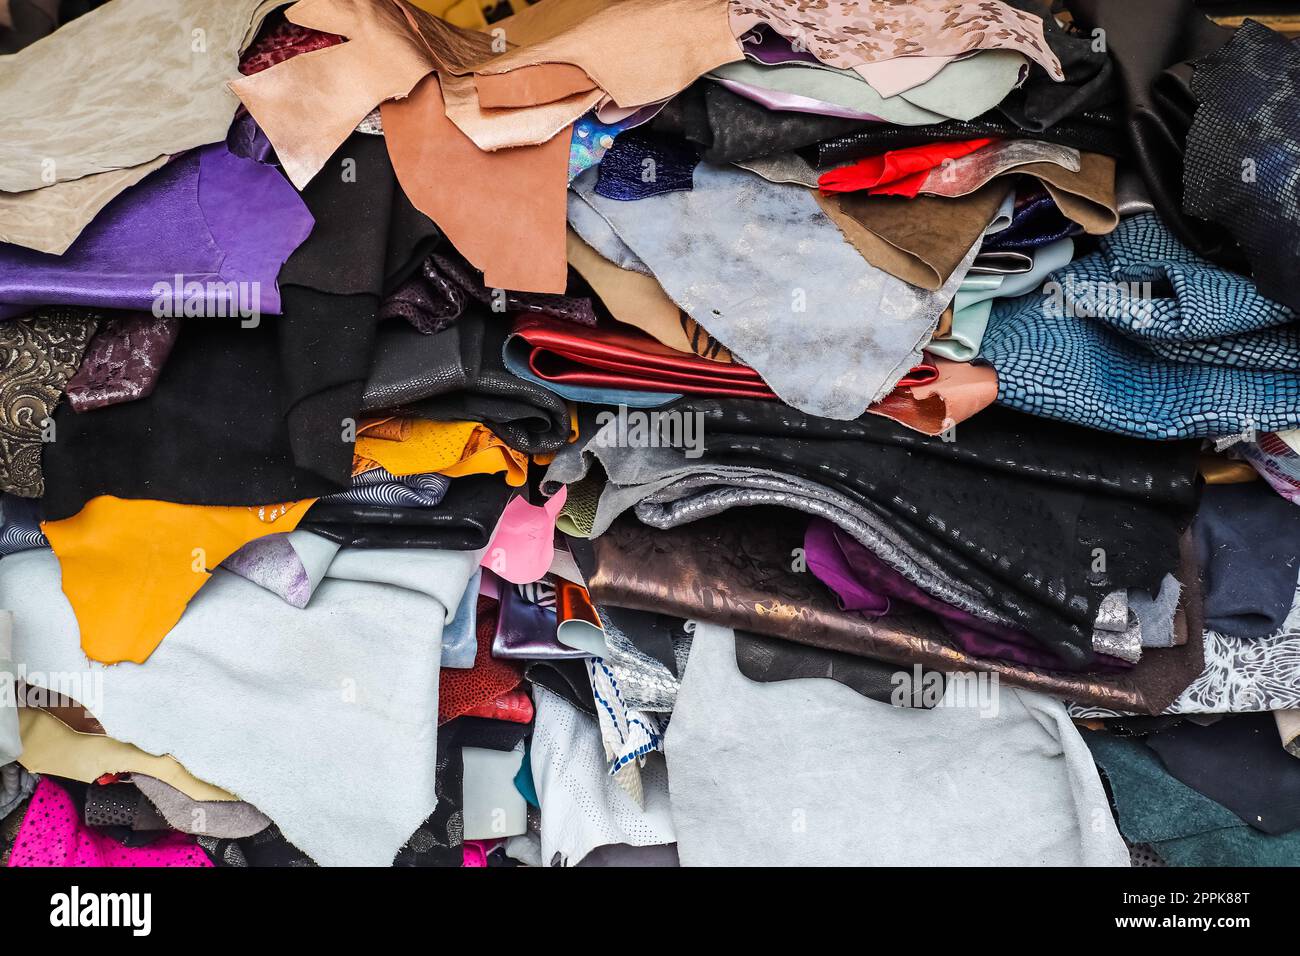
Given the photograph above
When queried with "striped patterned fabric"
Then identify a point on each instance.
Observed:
(541, 593)
(20, 528)
(379, 487)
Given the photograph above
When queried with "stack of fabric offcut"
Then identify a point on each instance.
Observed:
(648, 432)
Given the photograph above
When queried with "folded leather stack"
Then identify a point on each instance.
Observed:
(600, 432)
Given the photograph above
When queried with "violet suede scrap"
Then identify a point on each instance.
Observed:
(246, 139)
(827, 562)
(209, 217)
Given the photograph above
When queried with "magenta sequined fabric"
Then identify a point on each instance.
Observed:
(52, 834)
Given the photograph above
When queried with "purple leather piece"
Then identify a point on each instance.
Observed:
(428, 301)
(826, 561)
(526, 631)
(272, 562)
(122, 362)
(861, 581)
(246, 139)
(765, 45)
(209, 216)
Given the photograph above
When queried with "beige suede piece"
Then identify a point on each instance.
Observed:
(637, 51)
(531, 85)
(493, 129)
(51, 219)
(51, 746)
(308, 105)
(125, 84)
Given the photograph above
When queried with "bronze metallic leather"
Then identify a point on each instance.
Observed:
(572, 601)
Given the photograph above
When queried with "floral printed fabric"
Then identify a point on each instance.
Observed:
(38, 355)
(850, 33)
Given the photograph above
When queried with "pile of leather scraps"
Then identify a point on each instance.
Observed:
(648, 433)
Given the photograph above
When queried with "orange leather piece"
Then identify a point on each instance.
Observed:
(470, 193)
(130, 566)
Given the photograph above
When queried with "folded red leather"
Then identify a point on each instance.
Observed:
(612, 358)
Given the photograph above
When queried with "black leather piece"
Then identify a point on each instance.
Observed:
(212, 432)
(768, 659)
(998, 439)
(410, 365)
(1090, 80)
(368, 238)
(458, 375)
(582, 552)
(327, 341)
(1093, 131)
(567, 678)
(732, 128)
(1238, 762)
(1002, 262)
(1247, 93)
(385, 536)
(121, 805)
(484, 732)
(1145, 40)
(463, 521)
(1016, 507)
(248, 416)
(332, 285)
